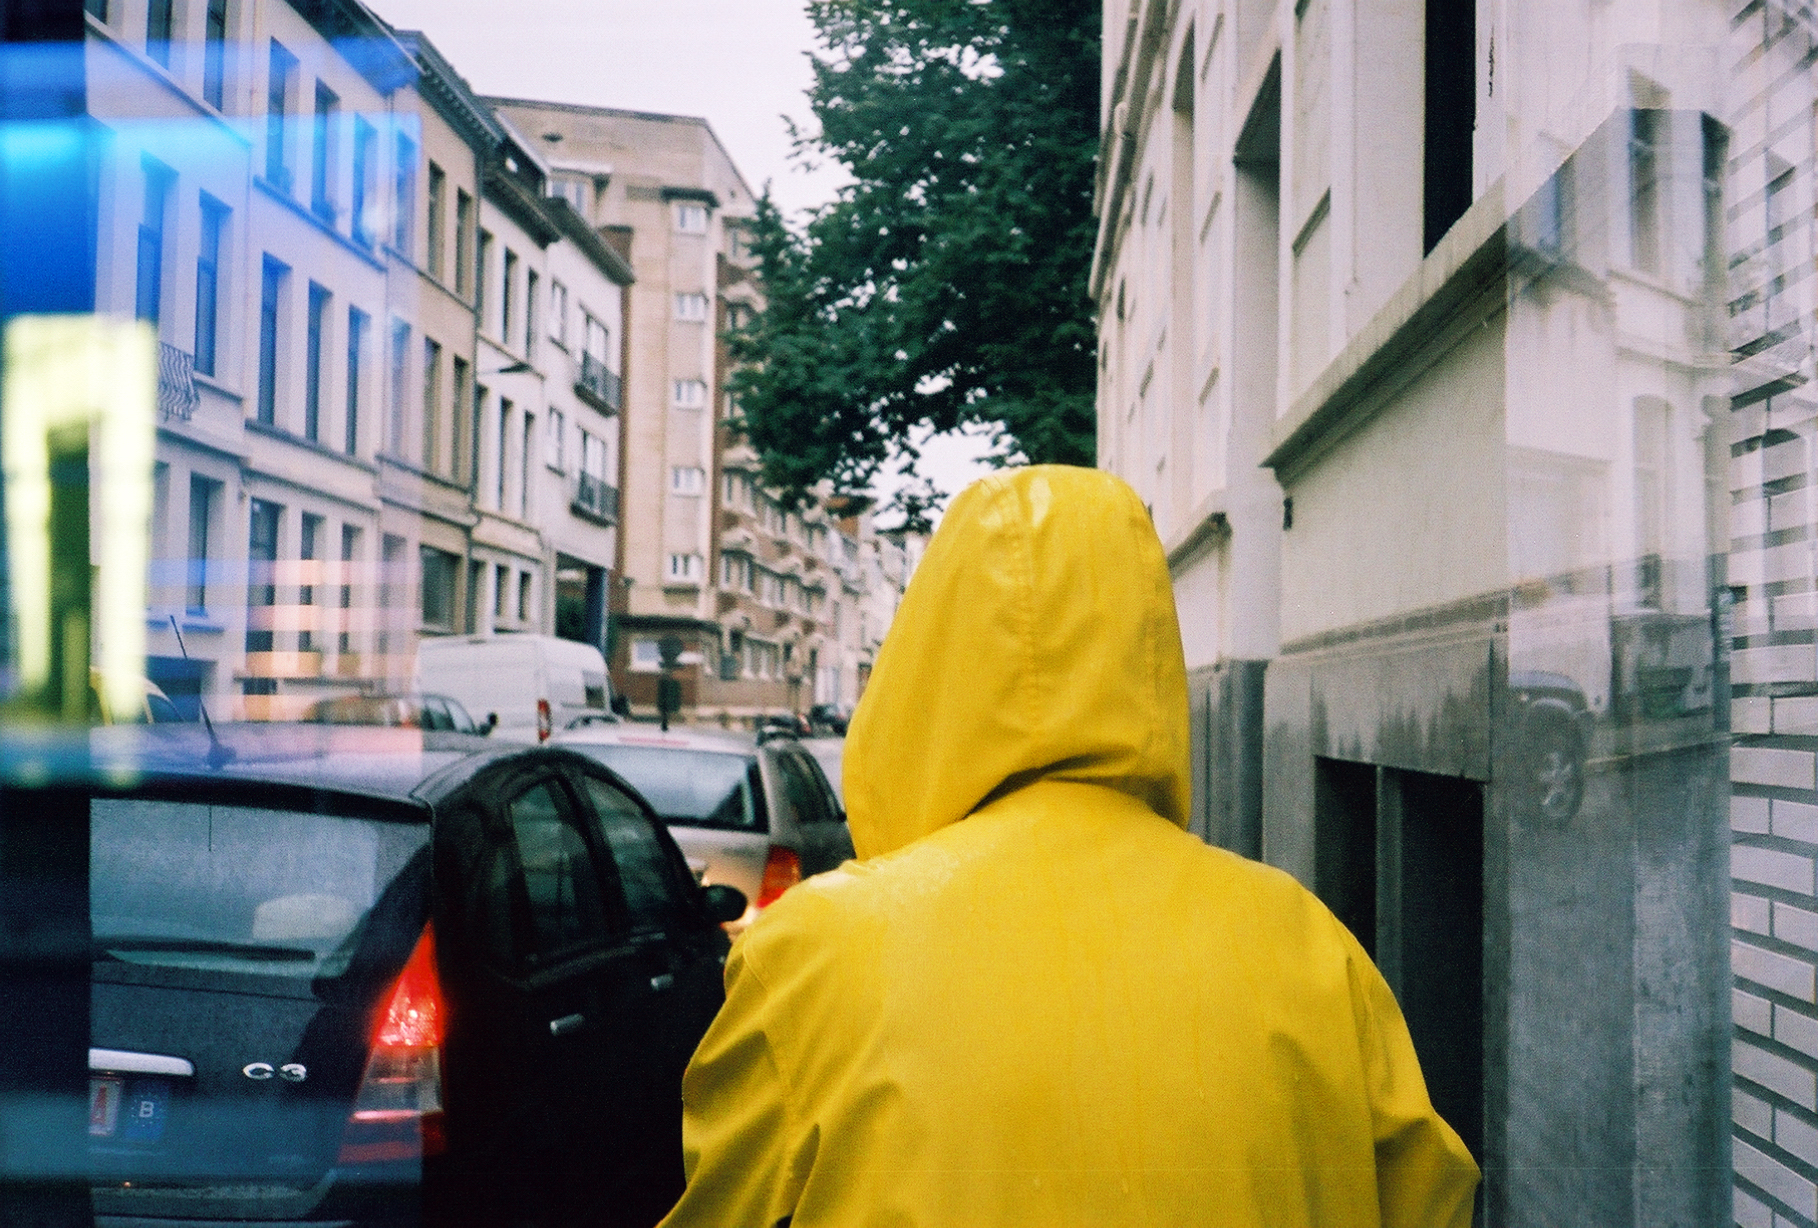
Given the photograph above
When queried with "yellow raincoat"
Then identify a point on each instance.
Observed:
(1036, 1001)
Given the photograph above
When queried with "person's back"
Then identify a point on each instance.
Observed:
(1038, 1001)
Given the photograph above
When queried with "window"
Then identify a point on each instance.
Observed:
(639, 854)
(400, 374)
(685, 568)
(691, 219)
(438, 206)
(363, 138)
(149, 287)
(312, 370)
(277, 104)
(567, 910)
(350, 550)
(594, 337)
(459, 416)
(1647, 134)
(321, 195)
(208, 283)
(735, 572)
(686, 480)
(690, 394)
(572, 188)
(404, 195)
(96, 9)
(504, 436)
(204, 497)
(432, 405)
(507, 304)
(357, 323)
(271, 291)
(524, 607)
(157, 31)
(691, 308)
(440, 570)
(214, 54)
(552, 451)
(501, 590)
(261, 573)
(593, 456)
(558, 313)
(646, 656)
(530, 314)
(524, 455)
(463, 241)
(481, 260)
(307, 551)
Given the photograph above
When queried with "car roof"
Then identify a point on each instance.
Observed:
(393, 764)
(722, 741)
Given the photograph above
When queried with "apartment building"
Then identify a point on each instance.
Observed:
(711, 561)
(1419, 333)
(380, 344)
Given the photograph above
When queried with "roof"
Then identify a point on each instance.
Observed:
(653, 117)
(390, 764)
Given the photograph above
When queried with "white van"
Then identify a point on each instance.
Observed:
(526, 685)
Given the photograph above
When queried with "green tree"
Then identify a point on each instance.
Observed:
(946, 285)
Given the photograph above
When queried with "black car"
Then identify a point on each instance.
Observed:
(384, 977)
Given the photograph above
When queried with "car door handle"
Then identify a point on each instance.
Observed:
(566, 1024)
(661, 982)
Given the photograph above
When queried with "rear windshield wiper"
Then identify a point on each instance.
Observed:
(206, 946)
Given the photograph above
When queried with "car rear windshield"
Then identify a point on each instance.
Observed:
(702, 788)
(238, 888)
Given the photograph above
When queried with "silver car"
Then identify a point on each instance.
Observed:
(757, 817)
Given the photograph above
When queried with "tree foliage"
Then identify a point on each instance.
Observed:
(946, 285)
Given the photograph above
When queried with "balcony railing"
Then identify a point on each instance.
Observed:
(593, 497)
(597, 383)
(177, 396)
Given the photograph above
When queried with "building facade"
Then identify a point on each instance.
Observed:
(1458, 356)
(369, 386)
(743, 589)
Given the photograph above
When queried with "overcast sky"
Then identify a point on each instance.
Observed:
(740, 64)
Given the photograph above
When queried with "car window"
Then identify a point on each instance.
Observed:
(567, 908)
(646, 874)
(435, 715)
(801, 792)
(238, 888)
(461, 721)
(705, 788)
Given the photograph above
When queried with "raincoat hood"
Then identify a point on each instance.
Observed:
(998, 672)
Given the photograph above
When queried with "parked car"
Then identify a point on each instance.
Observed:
(1552, 722)
(383, 976)
(829, 718)
(532, 684)
(441, 713)
(756, 817)
(788, 724)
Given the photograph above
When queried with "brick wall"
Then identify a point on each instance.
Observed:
(1774, 666)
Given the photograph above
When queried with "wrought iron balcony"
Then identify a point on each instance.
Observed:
(597, 383)
(594, 498)
(177, 396)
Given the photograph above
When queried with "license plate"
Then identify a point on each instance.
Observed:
(130, 1110)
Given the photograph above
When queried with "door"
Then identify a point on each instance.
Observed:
(680, 955)
(543, 1053)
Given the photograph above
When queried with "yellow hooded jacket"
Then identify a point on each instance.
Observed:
(1036, 1000)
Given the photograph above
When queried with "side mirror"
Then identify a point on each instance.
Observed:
(722, 903)
(489, 724)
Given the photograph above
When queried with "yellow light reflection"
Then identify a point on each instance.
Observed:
(64, 374)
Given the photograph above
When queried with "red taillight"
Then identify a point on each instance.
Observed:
(782, 870)
(397, 1114)
(545, 720)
